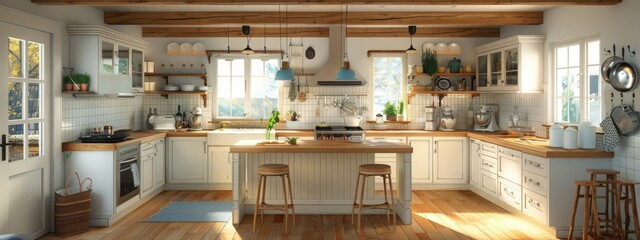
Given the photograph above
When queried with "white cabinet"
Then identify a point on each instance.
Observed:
(187, 160)
(219, 164)
(159, 163)
(421, 159)
(450, 160)
(112, 59)
(513, 64)
(475, 162)
(387, 158)
(153, 166)
(510, 164)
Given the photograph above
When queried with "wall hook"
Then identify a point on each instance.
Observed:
(606, 52)
(631, 53)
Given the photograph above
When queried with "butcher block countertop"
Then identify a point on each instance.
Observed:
(136, 137)
(313, 146)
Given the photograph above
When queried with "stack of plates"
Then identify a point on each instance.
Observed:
(171, 88)
(187, 88)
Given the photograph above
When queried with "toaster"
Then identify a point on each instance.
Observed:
(162, 122)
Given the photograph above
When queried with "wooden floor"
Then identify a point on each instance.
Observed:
(436, 215)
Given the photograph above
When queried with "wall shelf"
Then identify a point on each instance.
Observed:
(166, 76)
(441, 94)
(403, 122)
(166, 94)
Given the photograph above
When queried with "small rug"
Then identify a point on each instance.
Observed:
(194, 211)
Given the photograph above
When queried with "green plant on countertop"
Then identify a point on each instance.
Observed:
(401, 108)
(390, 110)
(430, 62)
(272, 122)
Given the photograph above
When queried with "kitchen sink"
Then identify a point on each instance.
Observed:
(229, 136)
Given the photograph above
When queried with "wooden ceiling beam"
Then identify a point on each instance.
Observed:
(355, 18)
(424, 32)
(233, 32)
(323, 2)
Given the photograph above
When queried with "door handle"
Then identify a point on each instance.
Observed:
(4, 147)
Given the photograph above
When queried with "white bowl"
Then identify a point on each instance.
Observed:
(185, 48)
(187, 88)
(171, 88)
(202, 88)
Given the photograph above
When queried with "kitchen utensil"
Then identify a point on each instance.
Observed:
(623, 76)
(123, 132)
(556, 135)
(610, 139)
(107, 130)
(310, 53)
(570, 138)
(443, 83)
(483, 119)
(625, 119)
(352, 121)
(292, 91)
(608, 64)
(318, 108)
(302, 95)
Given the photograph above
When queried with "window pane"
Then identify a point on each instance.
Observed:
(237, 67)
(224, 67)
(593, 52)
(562, 81)
(123, 60)
(15, 58)
(237, 87)
(264, 89)
(15, 100)
(34, 52)
(34, 99)
(224, 87)
(574, 55)
(562, 57)
(16, 142)
(34, 137)
(574, 82)
(593, 81)
(387, 78)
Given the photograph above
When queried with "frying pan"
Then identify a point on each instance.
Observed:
(623, 77)
(608, 64)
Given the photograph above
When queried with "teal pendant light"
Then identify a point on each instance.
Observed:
(345, 73)
(284, 73)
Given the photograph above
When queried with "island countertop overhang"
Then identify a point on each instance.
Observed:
(313, 146)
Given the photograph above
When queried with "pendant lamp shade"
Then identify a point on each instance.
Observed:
(285, 73)
(412, 30)
(346, 73)
(246, 30)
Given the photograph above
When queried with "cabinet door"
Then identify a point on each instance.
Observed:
(159, 164)
(475, 162)
(123, 54)
(219, 164)
(482, 69)
(421, 159)
(137, 76)
(146, 174)
(188, 160)
(107, 57)
(496, 63)
(510, 164)
(450, 161)
(511, 68)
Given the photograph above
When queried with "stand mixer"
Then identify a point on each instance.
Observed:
(196, 118)
(447, 120)
(487, 119)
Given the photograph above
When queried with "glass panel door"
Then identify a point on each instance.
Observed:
(482, 71)
(496, 68)
(136, 69)
(123, 60)
(511, 67)
(107, 57)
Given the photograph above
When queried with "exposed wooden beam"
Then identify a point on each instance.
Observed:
(355, 18)
(424, 32)
(325, 2)
(210, 53)
(233, 32)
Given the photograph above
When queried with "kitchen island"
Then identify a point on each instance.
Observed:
(323, 175)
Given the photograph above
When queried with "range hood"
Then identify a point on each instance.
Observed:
(327, 75)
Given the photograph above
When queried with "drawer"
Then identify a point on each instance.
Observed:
(510, 166)
(510, 193)
(489, 183)
(147, 151)
(489, 149)
(146, 145)
(489, 164)
(535, 164)
(510, 152)
(535, 205)
(535, 183)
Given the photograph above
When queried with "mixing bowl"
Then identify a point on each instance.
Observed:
(483, 119)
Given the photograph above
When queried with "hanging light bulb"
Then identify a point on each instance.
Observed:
(412, 30)
(246, 30)
(265, 57)
(284, 73)
(227, 56)
(345, 72)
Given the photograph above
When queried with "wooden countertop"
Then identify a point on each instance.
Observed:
(312, 146)
(136, 137)
(197, 133)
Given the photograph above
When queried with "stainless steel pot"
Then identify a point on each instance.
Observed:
(607, 65)
(623, 77)
(625, 119)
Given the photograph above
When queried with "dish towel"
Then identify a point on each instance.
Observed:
(610, 140)
(136, 174)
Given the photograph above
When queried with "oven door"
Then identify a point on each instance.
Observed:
(128, 179)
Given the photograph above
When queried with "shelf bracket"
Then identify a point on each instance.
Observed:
(440, 97)
(166, 79)
(204, 79)
(165, 96)
(204, 99)
(209, 55)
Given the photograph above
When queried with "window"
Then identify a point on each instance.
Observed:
(578, 88)
(246, 87)
(388, 75)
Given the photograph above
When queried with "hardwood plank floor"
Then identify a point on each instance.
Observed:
(436, 215)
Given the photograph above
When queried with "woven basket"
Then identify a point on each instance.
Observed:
(73, 207)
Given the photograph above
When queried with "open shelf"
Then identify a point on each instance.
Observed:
(454, 74)
(79, 92)
(166, 76)
(403, 122)
(441, 94)
(166, 94)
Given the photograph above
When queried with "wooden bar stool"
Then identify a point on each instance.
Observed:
(611, 207)
(372, 170)
(588, 220)
(627, 191)
(269, 170)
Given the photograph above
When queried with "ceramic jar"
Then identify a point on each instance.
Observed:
(556, 135)
(454, 65)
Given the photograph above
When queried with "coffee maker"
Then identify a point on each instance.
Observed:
(431, 118)
(487, 119)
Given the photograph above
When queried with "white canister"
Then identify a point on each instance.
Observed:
(570, 138)
(556, 135)
(581, 132)
(587, 137)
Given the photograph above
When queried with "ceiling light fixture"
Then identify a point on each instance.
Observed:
(345, 73)
(284, 73)
(412, 30)
(227, 56)
(246, 30)
(265, 57)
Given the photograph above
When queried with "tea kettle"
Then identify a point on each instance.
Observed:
(196, 118)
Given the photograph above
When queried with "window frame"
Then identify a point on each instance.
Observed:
(403, 79)
(583, 75)
(247, 83)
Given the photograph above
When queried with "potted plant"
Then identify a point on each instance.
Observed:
(272, 122)
(430, 62)
(68, 83)
(390, 111)
(82, 79)
(400, 116)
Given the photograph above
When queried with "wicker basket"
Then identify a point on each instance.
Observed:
(73, 208)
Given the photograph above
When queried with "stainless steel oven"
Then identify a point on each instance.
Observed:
(128, 174)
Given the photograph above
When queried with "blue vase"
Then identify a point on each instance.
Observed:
(454, 65)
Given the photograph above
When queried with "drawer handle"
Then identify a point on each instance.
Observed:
(531, 202)
(537, 183)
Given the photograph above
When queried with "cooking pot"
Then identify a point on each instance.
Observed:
(352, 121)
(608, 64)
(625, 119)
(623, 77)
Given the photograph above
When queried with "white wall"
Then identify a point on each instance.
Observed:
(615, 24)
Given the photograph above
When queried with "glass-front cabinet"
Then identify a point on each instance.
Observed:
(108, 64)
(501, 64)
(137, 74)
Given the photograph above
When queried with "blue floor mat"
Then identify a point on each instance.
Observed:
(178, 211)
